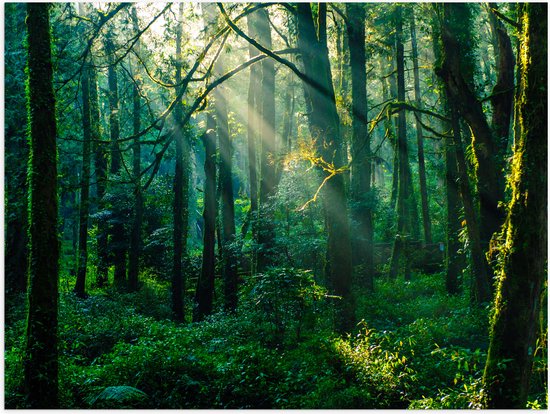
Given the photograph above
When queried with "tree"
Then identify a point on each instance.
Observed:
(253, 127)
(181, 189)
(269, 149)
(457, 42)
(481, 288)
(406, 205)
(502, 97)
(100, 168)
(80, 287)
(523, 257)
(118, 239)
(135, 235)
(324, 127)
(362, 198)
(41, 355)
(426, 223)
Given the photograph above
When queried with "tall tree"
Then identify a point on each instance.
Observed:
(181, 187)
(135, 236)
(324, 124)
(253, 127)
(80, 287)
(269, 148)
(450, 65)
(406, 206)
(453, 259)
(118, 239)
(426, 223)
(362, 241)
(205, 287)
(502, 97)
(100, 168)
(458, 44)
(41, 355)
(524, 248)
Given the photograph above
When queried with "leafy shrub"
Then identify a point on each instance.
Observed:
(283, 300)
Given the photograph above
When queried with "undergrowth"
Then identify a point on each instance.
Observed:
(421, 349)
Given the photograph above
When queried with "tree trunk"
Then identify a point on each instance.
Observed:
(481, 289)
(205, 287)
(361, 154)
(229, 261)
(426, 223)
(405, 201)
(324, 126)
(180, 210)
(80, 287)
(100, 167)
(135, 236)
(524, 248)
(253, 128)
(453, 262)
(269, 149)
(41, 354)
(461, 93)
(502, 95)
(118, 239)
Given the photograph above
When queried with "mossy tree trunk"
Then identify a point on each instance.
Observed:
(324, 126)
(118, 242)
(80, 286)
(41, 354)
(458, 76)
(253, 127)
(205, 286)
(406, 206)
(426, 223)
(523, 252)
(269, 149)
(181, 190)
(361, 171)
(135, 234)
(502, 95)
(100, 167)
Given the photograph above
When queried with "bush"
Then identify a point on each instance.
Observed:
(283, 300)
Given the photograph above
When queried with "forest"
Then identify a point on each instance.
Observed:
(275, 205)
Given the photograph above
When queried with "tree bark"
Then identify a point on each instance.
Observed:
(80, 287)
(361, 167)
(524, 248)
(205, 287)
(426, 223)
(253, 128)
(118, 239)
(324, 128)
(269, 150)
(502, 95)
(461, 93)
(481, 289)
(100, 167)
(180, 210)
(135, 236)
(405, 201)
(41, 354)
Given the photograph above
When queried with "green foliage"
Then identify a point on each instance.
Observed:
(284, 300)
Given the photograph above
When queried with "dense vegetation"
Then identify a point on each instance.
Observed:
(276, 205)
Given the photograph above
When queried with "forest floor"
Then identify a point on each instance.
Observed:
(416, 347)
